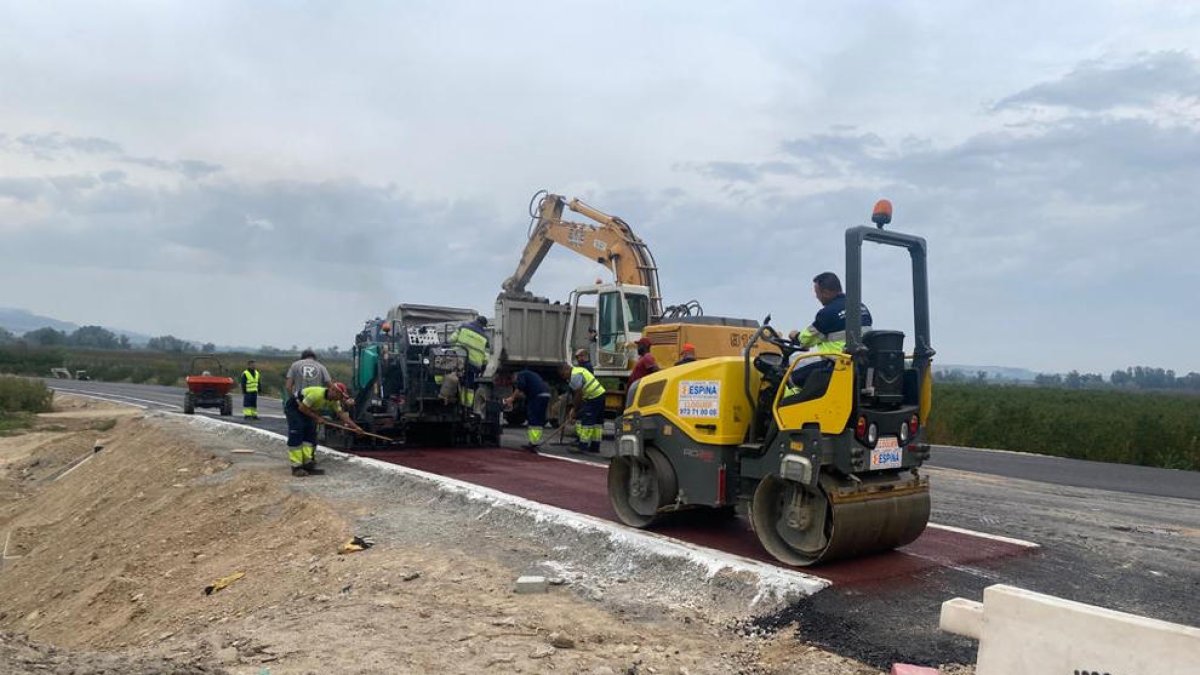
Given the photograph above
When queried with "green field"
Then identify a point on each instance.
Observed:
(144, 367)
(1152, 429)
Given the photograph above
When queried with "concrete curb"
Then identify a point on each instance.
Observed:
(774, 583)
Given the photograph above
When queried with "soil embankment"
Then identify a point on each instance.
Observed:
(108, 554)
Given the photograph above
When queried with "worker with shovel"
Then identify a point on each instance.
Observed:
(587, 407)
(309, 410)
(531, 387)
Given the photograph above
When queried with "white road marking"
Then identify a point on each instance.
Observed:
(984, 535)
(571, 459)
(117, 398)
(142, 402)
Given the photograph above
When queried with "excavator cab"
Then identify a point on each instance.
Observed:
(825, 470)
(622, 313)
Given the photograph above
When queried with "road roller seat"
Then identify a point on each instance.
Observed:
(883, 377)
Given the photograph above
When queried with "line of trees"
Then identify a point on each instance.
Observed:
(1134, 377)
(98, 337)
(1143, 378)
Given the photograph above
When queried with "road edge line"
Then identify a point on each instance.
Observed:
(984, 535)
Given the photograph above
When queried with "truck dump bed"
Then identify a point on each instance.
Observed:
(531, 333)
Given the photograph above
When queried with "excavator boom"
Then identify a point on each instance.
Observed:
(608, 241)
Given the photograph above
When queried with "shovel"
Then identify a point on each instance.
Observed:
(360, 433)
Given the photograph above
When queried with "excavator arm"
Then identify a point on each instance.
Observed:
(608, 241)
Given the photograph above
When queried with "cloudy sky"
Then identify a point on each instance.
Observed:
(276, 172)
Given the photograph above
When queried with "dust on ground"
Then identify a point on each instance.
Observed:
(108, 554)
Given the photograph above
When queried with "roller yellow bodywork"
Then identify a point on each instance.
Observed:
(706, 400)
(831, 410)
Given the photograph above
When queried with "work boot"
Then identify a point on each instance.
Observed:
(529, 447)
(299, 472)
(312, 469)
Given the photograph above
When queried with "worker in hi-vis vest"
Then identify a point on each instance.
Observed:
(471, 339)
(311, 406)
(827, 333)
(587, 409)
(531, 387)
(249, 381)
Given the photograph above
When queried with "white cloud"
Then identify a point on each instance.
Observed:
(363, 155)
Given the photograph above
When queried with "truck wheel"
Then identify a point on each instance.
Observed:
(227, 406)
(189, 404)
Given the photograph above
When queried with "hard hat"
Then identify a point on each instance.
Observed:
(581, 352)
(645, 342)
(340, 388)
(689, 347)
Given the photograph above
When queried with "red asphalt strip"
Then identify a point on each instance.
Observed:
(582, 488)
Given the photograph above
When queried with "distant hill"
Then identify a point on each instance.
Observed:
(993, 372)
(21, 321)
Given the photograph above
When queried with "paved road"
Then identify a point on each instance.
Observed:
(1117, 536)
(1056, 470)
(1144, 480)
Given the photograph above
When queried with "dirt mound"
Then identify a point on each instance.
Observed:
(126, 544)
(112, 551)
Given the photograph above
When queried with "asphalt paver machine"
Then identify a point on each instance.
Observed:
(407, 376)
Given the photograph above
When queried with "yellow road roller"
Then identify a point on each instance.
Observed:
(826, 468)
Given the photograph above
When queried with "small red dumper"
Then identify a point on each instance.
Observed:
(206, 390)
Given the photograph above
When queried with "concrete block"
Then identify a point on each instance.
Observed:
(962, 617)
(908, 669)
(1020, 631)
(531, 584)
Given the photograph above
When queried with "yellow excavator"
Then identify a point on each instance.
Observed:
(628, 308)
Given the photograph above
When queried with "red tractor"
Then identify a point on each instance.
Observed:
(206, 390)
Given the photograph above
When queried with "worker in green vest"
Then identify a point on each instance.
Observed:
(471, 339)
(305, 413)
(249, 381)
(587, 408)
